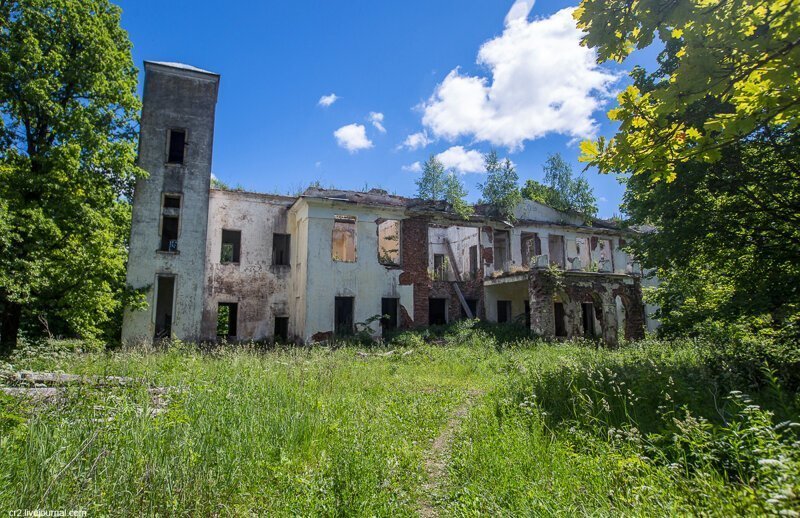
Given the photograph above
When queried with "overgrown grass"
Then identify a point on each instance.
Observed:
(561, 429)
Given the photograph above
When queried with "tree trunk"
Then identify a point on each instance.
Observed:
(9, 327)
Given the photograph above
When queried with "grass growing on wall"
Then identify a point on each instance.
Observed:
(650, 429)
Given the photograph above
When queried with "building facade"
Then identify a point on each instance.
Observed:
(219, 264)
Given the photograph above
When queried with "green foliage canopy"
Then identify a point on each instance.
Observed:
(501, 190)
(69, 111)
(561, 189)
(438, 184)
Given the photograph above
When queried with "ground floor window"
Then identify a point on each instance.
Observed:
(281, 333)
(227, 316)
(389, 308)
(343, 315)
(437, 312)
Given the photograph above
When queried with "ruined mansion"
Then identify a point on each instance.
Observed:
(248, 266)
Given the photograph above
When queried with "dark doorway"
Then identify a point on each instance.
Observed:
(389, 314)
(281, 329)
(503, 311)
(165, 296)
(587, 314)
(227, 317)
(527, 314)
(437, 312)
(558, 310)
(472, 304)
(343, 315)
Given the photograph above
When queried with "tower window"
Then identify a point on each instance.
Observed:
(172, 201)
(169, 233)
(176, 146)
(231, 243)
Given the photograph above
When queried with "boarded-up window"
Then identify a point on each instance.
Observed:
(344, 239)
(584, 254)
(231, 244)
(389, 242)
(176, 146)
(556, 246)
(280, 249)
(531, 247)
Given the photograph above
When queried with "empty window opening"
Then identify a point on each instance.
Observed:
(473, 260)
(472, 304)
(439, 267)
(280, 249)
(437, 312)
(169, 233)
(231, 243)
(227, 316)
(527, 314)
(584, 253)
(172, 201)
(344, 239)
(343, 315)
(165, 297)
(531, 246)
(558, 311)
(556, 245)
(503, 311)
(587, 313)
(281, 332)
(389, 308)
(501, 249)
(606, 252)
(389, 242)
(177, 146)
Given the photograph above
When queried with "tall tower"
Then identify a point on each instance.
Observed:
(170, 206)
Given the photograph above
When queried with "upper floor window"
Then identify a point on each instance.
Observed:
(170, 222)
(176, 146)
(389, 242)
(343, 246)
(231, 244)
(280, 249)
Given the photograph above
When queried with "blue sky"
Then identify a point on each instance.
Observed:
(414, 63)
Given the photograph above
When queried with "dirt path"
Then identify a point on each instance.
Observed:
(438, 456)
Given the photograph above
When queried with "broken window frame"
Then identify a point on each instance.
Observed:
(169, 156)
(235, 246)
(562, 248)
(281, 249)
(584, 251)
(389, 257)
(338, 223)
(503, 246)
(440, 270)
(530, 246)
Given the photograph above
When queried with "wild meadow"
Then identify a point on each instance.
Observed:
(469, 421)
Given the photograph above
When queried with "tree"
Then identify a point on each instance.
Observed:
(501, 190)
(454, 194)
(438, 184)
(710, 144)
(737, 59)
(561, 189)
(67, 149)
(431, 185)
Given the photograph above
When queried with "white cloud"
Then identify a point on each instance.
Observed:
(416, 141)
(542, 81)
(327, 100)
(376, 118)
(416, 167)
(462, 160)
(352, 137)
